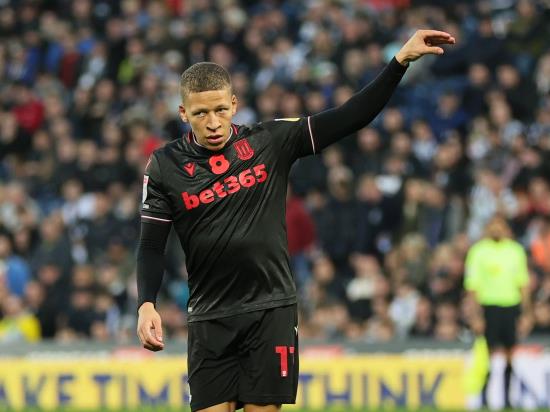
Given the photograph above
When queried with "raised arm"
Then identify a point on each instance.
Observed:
(334, 124)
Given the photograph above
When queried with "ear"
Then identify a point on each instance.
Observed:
(183, 114)
(234, 103)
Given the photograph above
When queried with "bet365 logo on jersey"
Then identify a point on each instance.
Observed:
(230, 185)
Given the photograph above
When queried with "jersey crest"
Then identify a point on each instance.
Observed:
(243, 149)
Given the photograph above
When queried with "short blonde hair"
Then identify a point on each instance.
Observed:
(202, 77)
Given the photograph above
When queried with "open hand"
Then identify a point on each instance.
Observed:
(149, 328)
(423, 42)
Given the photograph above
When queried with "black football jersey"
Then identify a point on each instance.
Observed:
(228, 209)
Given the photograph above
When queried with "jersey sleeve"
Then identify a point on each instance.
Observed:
(292, 136)
(472, 270)
(522, 274)
(155, 206)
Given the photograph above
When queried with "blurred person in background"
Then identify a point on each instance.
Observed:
(366, 158)
(380, 327)
(402, 308)
(327, 276)
(489, 196)
(18, 272)
(376, 217)
(498, 277)
(361, 289)
(413, 258)
(445, 274)
(50, 297)
(339, 218)
(17, 325)
(423, 325)
(540, 247)
(301, 236)
(446, 324)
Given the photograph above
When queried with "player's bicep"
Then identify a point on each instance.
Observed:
(155, 206)
(293, 136)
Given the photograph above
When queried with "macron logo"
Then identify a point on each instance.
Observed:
(189, 168)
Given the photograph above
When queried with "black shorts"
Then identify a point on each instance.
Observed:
(248, 358)
(500, 325)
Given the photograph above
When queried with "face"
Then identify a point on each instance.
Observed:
(209, 113)
(497, 228)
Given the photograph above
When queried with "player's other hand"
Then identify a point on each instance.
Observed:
(149, 327)
(423, 42)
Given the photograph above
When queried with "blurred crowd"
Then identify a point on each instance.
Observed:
(378, 225)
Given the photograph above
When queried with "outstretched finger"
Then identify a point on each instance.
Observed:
(435, 33)
(434, 41)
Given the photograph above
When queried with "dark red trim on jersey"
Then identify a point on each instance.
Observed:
(189, 136)
(235, 129)
(196, 142)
